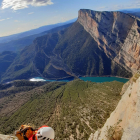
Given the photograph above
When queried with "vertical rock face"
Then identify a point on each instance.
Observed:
(124, 122)
(130, 51)
(116, 33)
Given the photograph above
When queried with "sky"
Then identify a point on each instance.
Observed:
(22, 15)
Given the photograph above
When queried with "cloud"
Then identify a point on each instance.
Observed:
(2, 19)
(102, 8)
(132, 5)
(5, 19)
(135, 4)
(30, 13)
(16, 20)
(9, 18)
(21, 4)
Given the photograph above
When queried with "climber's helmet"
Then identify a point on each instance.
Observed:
(45, 133)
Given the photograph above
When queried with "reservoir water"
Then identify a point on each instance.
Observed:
(92, 79)
(104, 79)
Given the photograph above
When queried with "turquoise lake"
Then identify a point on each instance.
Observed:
(92, 79)
(104, 79)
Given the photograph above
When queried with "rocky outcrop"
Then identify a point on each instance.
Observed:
(124, 122)
(116, 33)
(7, 137)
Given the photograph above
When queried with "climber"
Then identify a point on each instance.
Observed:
(28, 133)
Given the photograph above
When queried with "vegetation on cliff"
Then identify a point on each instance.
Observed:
(6, 59)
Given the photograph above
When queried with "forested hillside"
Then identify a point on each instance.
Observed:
(73, 109)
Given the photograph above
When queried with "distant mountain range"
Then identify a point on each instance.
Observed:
(33, 32)
(19, 44)
(130, 10)
(135, 12)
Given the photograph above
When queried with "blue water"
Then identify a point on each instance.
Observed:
(62, 80)
(104, 79)
(92, 79)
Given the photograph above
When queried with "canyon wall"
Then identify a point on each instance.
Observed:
(116, 33)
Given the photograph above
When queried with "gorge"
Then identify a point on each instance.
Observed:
(98, 43)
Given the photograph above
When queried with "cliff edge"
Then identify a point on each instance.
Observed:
(116, 33)
(124, 121)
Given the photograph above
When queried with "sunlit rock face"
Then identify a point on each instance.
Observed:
(116, 33)
(124, 121)
(7, 137)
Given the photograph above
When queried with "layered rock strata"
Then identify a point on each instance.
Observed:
(116, 33)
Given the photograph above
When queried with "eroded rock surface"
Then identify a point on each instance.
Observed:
(124, 122)
(116, 33)
(7, 137)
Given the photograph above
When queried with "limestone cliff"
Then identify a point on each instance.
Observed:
(7, 137)
(124, 122)
(116, 33)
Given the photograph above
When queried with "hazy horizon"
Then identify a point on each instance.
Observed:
(18, 16)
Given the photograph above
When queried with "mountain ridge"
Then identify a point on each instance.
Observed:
(96, 44)
(63, 54)
(19, 44)
(33, 31)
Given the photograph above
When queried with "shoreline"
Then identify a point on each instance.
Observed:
(104, 76)
(65, 78)
(51, 79)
